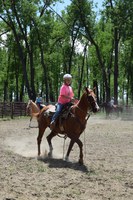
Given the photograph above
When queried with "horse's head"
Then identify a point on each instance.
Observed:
(92, 100)
(29, 103)
(32, 107)
(28, 108)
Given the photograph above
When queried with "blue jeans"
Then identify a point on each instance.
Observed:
(58, 111)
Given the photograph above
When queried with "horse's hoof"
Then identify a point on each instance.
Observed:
(50, 155)
(39, 158)
(66, 159)
(81, 161)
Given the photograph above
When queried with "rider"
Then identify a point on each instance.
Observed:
(111, 103)
(65, 96)
(39, 101)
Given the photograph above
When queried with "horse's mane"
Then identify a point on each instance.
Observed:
(33, 102)
(33, 106)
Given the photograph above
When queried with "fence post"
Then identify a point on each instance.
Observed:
(12, 110)
(2, 109)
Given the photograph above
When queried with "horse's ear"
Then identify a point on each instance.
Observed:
(86, 89)
(94, 89)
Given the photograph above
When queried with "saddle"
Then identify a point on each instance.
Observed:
(63, 115)
(66, 110)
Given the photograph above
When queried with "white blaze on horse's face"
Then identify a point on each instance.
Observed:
(97, 107)
(92, 96)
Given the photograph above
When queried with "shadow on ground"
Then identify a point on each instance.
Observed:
(60, 163)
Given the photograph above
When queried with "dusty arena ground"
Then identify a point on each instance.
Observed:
(107, 172)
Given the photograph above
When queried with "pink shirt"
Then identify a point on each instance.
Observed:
(67, 91)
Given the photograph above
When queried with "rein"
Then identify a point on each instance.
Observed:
(81, 109)
(82, 124)
(87, 114)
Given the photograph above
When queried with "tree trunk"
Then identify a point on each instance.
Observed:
(43, 63)
(82, 70)
(116, 66)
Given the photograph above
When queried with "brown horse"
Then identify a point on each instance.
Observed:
(32, 109)
(72, 126)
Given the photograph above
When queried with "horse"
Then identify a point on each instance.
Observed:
(71, 126)
(32, 109)
(116, 109)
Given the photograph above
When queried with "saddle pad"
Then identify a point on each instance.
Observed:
(43, 105)
(51, 109)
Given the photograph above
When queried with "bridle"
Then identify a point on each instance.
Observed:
(87, 114)
(92, 103)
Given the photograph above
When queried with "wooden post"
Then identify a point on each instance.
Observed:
(12, 107)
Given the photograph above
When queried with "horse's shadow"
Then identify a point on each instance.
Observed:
(60, 163)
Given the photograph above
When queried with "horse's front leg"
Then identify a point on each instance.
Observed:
(39, 138)
(49, 138)
(38, 145)
(30, 122)
(69, 150)
(80, 144)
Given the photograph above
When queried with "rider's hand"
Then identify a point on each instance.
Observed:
(72, 100)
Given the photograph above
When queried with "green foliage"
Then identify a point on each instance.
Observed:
(41, 47)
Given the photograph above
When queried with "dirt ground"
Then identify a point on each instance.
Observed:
(107, 172)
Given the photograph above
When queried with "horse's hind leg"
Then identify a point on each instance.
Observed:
(49, 138)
